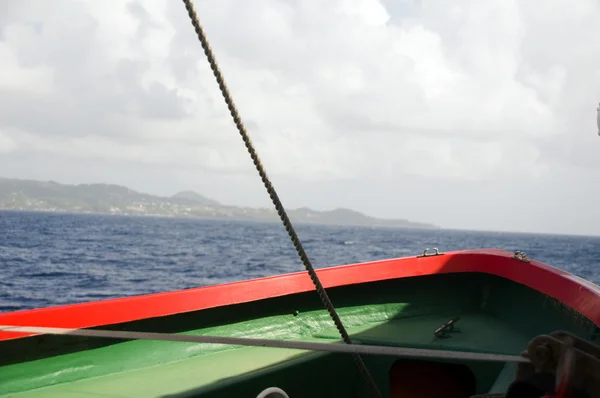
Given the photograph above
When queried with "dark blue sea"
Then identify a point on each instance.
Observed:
(49, 259)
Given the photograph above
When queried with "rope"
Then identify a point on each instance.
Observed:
(298, 345)
(272, 193)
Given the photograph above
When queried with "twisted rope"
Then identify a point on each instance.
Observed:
(272, 193)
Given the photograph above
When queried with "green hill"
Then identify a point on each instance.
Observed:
(115, 199)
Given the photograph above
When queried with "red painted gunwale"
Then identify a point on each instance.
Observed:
(577, 293)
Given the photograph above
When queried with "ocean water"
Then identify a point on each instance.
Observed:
(51, 259)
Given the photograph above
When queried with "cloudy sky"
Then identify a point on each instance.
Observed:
(465, 113)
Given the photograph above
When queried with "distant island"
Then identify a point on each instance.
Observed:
(29, 195)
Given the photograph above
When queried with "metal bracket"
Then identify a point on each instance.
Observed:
(446, 328)
(521, 256)
(436, 253)
(574, 361)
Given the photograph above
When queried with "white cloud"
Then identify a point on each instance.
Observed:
(14, 76)
(7, 144)
(330, 91)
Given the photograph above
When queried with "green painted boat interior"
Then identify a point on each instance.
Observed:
(496, 316)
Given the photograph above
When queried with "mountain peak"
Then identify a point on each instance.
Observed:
(117, 199)
(194, 198)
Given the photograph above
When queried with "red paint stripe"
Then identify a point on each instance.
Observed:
(581, 295)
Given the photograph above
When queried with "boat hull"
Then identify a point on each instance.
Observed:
(502, 303)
